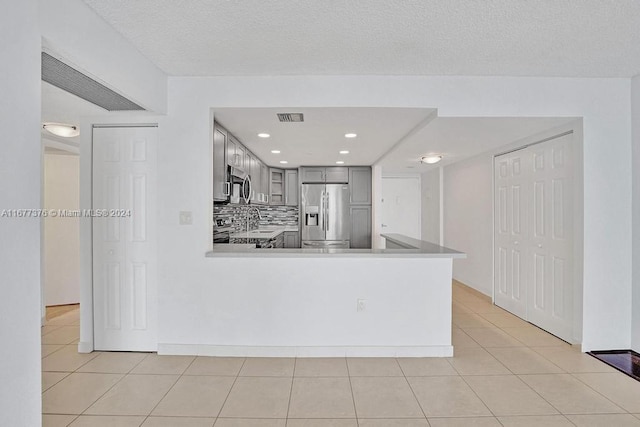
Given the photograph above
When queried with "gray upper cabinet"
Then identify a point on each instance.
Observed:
(360, 217)
(240, 156)
(291, 187)
(220, 183)
(235, 152)
(312, 174)
(253, 168)
(264, 178)
(276, 186)
(337, 175)
(360, 185)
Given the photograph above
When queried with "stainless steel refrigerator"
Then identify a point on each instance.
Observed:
(325, 215)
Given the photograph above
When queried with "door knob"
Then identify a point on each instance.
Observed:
(384, 225)
(539, 245)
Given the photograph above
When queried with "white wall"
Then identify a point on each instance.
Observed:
(604, 104)
(467, 196)
(402, 205)
(61, 234)
(635, 114)
(72, 31)
(430, 206)
(20, 188)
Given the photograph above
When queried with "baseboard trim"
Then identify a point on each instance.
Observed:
(85, 347)
(472, 291)
(293, 351)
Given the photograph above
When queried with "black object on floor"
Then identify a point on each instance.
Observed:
(625, 361)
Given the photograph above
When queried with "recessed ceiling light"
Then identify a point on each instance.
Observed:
(431, 159)
(275, 151)
(61, 129)
(350, 135)
(344, 152)
(264, 135)
(284, 162)
(339, 162)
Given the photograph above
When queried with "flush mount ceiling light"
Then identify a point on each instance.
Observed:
(339, 162)
(61, 129)
(264, 135)
(350, 135)
(275, 151)
(284, 162)
(344, 152)
(431, 159)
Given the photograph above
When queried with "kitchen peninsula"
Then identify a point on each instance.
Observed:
(318, 302)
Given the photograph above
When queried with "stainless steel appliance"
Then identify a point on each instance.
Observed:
(240, 186)
(325, 215)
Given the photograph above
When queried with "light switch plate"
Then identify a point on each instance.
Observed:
(186, 218)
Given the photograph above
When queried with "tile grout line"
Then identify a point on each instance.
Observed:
(353, 398)
(244, 360)
(517, 376)
(597, 392)
(167, 392)
(293, 375)
(404, 375)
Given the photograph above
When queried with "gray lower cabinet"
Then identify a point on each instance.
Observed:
(360, 227)
(291, 187)
(291, 239)
(360, 185)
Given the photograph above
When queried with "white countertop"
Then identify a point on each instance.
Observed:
(266, 232)
(412, 248)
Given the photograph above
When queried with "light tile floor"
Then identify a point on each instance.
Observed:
(505, 372)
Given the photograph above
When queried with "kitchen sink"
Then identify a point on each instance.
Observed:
(262, 231)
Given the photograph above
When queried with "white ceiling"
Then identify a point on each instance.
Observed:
(59, 106)
(459, 138)
(573, 38)
(318, 140)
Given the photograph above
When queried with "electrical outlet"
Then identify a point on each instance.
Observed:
(362, 304)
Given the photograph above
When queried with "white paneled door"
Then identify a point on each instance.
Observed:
(511, 233)
(124, 238)
(533, 249)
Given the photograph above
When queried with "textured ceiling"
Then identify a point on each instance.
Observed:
(573, 38)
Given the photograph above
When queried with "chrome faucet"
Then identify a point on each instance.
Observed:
(248, 211)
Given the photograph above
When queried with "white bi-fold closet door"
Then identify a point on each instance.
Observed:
(533, 241)
(124, 238)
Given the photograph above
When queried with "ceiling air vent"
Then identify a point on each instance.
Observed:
(69, 79)
(291, 117)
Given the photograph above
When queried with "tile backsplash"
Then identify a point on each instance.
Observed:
(235, 216)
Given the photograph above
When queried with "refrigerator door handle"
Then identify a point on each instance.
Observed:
(326, 217)
(322, 211)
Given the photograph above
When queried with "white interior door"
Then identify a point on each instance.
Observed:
(124, 238)
(533, 242)
(401, 205)
(511, 233)
(551, 243)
